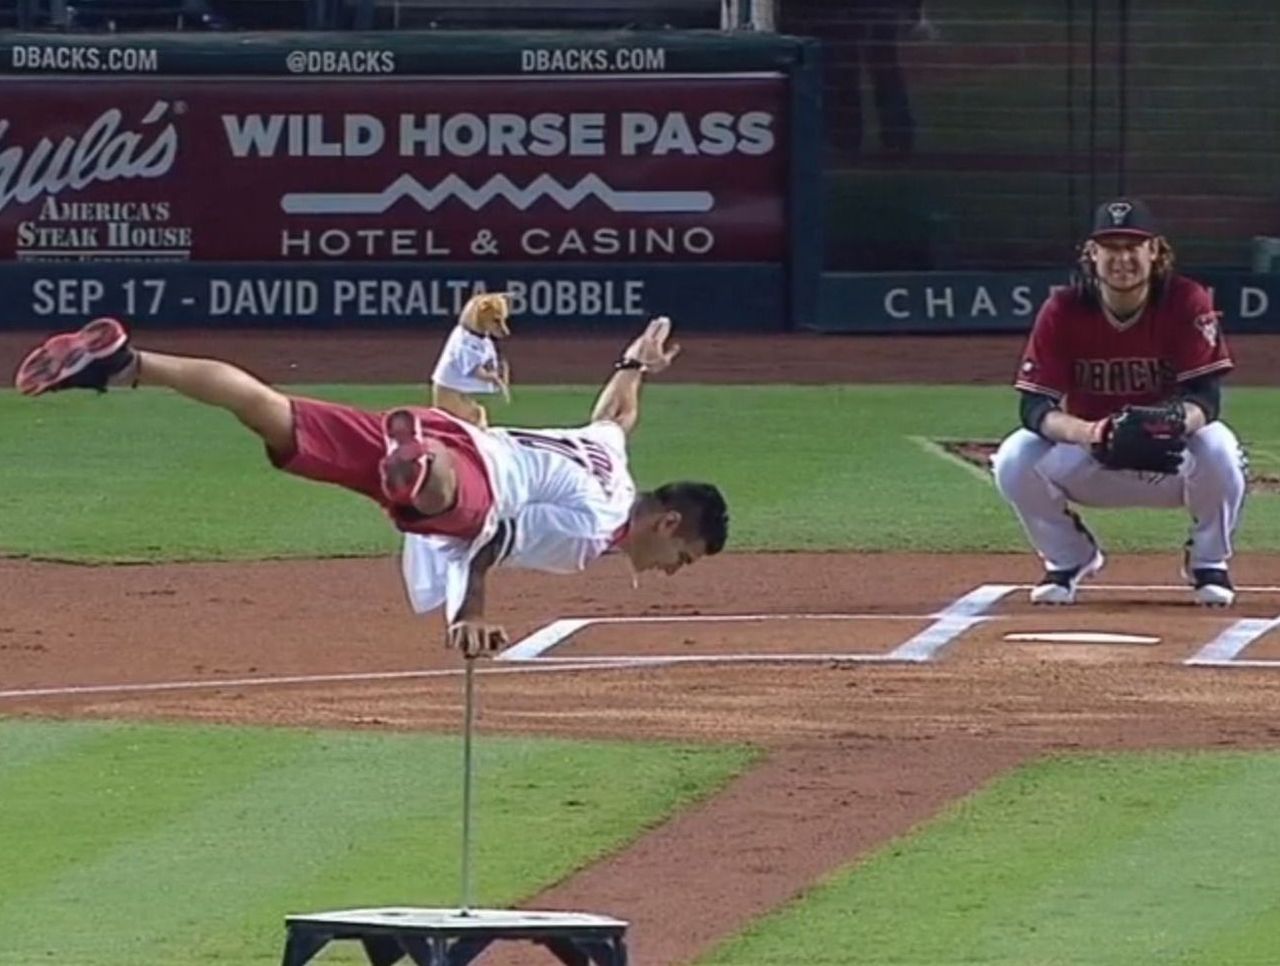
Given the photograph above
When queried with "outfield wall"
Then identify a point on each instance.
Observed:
(380, 179)
(958, 302)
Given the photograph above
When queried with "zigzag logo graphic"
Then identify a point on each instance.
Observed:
(499, 186)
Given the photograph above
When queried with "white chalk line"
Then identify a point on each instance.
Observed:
(1173, 588)
(262, 682)
(1244, 663)
(1227, 646)
(758, 657)
(952, 621)
(694, 618)
(938, 448)
(947, 624)
(530, 652)
(527, 653)
(545, 638)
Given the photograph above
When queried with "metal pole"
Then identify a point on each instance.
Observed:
(1093, 105)
(1071, 122)
(764, 15)
(1122, 115)
(468, 720)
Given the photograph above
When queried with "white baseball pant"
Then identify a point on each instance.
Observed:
(1040, 479)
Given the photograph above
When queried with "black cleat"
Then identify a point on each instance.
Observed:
(1059, 586)
(86, 359)
(1213, 587)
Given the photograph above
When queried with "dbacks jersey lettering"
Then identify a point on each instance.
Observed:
(549, 451)
(1093, 365)
(562, 498)
(575, 494)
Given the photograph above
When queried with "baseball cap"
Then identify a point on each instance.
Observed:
(1123, 216)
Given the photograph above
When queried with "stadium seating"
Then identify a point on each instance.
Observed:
(128, 15)
(537, 14)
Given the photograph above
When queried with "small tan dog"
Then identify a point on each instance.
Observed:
(470, 363)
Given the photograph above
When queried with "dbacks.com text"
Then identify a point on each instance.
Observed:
(49, 57)
(593, 60)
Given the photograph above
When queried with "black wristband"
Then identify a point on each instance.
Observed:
(625, 363)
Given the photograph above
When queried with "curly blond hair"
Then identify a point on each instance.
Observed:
(1085, 276)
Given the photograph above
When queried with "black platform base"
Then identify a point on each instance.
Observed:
(447, 937)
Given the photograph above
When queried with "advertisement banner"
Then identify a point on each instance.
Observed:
(545, 169)
(924, 302)
(41, 296)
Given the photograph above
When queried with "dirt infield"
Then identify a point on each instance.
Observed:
(858, 752)
(872, 716)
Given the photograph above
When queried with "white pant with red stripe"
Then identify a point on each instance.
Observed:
(1041, 479)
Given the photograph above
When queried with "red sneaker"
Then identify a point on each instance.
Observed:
(407, 464)
(76, 360)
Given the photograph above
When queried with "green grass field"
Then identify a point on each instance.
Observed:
(1099, 860)
(122, 844)
(148, 476)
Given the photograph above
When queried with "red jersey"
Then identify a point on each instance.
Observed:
(1093, 365)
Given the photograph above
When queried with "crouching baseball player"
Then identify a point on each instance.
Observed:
(472, 498)
(1120, 404)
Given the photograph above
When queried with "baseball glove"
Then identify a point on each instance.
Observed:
(1147, 438)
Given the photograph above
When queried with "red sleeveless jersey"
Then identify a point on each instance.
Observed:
(1094, 365)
